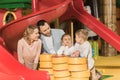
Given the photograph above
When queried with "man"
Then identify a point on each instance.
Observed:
(51, 38)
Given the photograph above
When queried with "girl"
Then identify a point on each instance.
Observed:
(66, 48)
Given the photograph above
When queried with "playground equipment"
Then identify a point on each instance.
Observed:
(11, 10)
(4, 76)
(47, 10)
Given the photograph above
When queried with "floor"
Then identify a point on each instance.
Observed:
(109, 66)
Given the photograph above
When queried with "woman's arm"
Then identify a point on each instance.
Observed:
(20, 51)
(37, 54)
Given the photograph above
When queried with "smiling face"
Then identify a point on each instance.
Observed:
(31, 34)
(45, 29)
(35, 35)
(66, 40)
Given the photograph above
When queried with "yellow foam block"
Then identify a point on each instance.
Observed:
(63, 78)
(63, 73)
(50, 71)
(63, 66)
(77, 60)
(45, 65)
(79, 79)
(79, 74)
(59, 59)
(52, 77)
(46, 57)
(78, 67)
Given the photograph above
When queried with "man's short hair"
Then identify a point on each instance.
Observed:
(41, 23)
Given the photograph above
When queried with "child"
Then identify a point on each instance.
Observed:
(66, 48)
(29, 48)
(83, 49)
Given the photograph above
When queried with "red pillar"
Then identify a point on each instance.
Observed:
(35, 5)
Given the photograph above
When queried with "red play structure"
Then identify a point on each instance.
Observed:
(48, 10)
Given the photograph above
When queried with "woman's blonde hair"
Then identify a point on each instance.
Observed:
(30, 29)
(83, 33)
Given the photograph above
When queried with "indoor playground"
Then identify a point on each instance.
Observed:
(101, 17)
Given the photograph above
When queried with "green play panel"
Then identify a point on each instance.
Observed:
(14, 1)
(8, 4)
(106, 77)
(20, 5)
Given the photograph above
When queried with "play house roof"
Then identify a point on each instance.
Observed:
(15, 4)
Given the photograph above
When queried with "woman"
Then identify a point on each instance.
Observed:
(29, 48)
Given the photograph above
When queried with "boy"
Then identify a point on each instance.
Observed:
(83, 49)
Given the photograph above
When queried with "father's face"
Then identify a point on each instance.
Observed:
(45, 30)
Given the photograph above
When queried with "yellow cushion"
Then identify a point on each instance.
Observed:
(63, 78)
(77, 60)
(79, 74)
(59, 59)
(52, 77)
(45, 65)
(50, 71)
(78, 67)
(62, 73)
(79, 79)
(46, 57)
(63, 66)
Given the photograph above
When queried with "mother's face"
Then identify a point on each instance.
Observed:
(45, 30)
(35, 35)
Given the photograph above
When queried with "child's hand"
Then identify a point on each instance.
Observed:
(73, 55)
(34, 66)
(76, 54)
